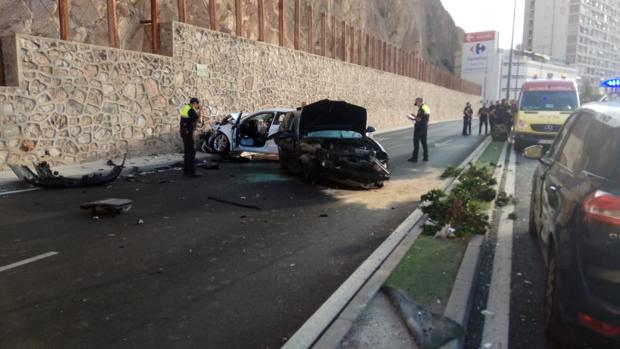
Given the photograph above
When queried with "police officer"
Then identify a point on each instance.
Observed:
(421, 129)
(483, 113)
(468, 114)
(190, 116)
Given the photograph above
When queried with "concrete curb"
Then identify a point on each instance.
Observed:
(331, 322)
(462, 295)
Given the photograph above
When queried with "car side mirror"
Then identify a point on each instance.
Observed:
(371, 129)
(534, 152)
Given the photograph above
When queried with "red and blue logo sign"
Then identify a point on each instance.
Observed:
(478, 49)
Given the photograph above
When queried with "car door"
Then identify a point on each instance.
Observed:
(286, 140)
(560, 184)
(271, 146)
(253, 144)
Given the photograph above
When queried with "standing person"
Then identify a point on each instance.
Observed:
(483, 113)
(491, 114)
(420, 131)
(468, 114)
(190, 116)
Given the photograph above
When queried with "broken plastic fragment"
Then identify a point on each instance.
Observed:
(140, 221)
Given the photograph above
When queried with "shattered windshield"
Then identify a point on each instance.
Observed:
(334, 134)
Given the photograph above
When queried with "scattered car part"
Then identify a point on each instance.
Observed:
(108, 205)
(252, 207)
(428, 329)
(46, 178)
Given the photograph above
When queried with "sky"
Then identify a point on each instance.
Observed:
(483, 15)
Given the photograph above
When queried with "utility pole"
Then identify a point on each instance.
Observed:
(512, 42)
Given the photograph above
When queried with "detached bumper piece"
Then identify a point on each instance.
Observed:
(353, 167)
(43, 176)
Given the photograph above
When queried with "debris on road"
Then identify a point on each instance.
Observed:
(487, 313)
(46, 178)
(140, 221)
(108, 205)
(430, 330)
(324, 215)
(252, 207)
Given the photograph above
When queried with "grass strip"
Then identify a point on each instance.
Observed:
(428, 270)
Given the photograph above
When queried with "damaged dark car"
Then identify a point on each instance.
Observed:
(329, 140)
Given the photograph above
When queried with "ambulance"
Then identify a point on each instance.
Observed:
(544, 106)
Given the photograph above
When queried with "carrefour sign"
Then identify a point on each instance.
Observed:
(612, 83)
(476, 50)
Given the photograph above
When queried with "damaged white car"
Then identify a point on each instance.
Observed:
(238, 133)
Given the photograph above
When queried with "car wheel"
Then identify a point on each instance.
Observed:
(555, 326)
(519, 146)
(221, 144)
(532, 226)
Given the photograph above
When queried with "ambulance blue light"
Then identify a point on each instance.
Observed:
(612, 83)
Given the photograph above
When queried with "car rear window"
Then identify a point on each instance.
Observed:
(603, 151)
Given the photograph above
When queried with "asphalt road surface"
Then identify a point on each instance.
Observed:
(198, 272)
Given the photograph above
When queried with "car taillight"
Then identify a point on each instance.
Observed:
(602, 207)
(599, 326)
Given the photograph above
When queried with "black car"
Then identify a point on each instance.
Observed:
(575, 214)
(328, 140)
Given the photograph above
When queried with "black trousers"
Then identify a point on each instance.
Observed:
(189, 150)
(484, 121)
(466, 126)
(419, 136)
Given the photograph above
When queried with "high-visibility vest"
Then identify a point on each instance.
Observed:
(426, 109)
(185, 111)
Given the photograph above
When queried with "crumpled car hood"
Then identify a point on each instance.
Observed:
(329, 115)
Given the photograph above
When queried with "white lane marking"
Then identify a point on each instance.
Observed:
(496, 327)
(29, 260)
(7, 193)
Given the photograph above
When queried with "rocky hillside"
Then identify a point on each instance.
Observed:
(413, 24)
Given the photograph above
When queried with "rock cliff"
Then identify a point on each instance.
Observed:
(422, 25)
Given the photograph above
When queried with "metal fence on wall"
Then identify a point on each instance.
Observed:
(348, 43)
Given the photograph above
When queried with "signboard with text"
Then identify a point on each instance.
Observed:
(476, 50)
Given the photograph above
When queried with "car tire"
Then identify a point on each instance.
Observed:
(220, 144)
(519, 145)
(555, 327)
(532, 224)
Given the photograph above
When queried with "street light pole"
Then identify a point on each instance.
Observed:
(512, 42)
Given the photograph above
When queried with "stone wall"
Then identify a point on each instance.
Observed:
(76, 102)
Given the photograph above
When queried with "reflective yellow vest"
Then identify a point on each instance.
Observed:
(185, 111)
(426, 109)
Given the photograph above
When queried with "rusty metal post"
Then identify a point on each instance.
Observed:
(367, 53)
(297, 24)
(323, 34)
(155, 26)
(182, 10)
(281, 22)
(260, 4)
(310, 29)
(344, 41)
(352, 55)
(112, 29)
(213, 14)
(238, 19)
(360, 42)
(63, 17)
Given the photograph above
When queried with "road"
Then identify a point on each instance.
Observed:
(199, 272)
(527, 279)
